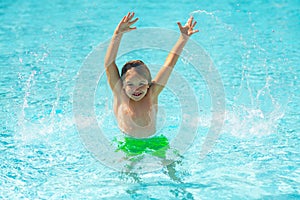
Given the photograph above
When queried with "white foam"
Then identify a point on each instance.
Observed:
(247, 122)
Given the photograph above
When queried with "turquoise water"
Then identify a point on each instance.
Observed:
(253, 45)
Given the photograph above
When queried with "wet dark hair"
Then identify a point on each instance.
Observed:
(132, 64)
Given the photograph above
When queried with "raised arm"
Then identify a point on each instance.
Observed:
(164, 73)
(111, 68)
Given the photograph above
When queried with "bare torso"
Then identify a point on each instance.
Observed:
(136, 118)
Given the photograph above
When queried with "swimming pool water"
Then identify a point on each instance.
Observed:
(255, 49)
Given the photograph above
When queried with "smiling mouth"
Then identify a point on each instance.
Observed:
(137, 94)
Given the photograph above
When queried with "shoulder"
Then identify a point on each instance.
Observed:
(152, 91)
(119, 95)
(155, 89)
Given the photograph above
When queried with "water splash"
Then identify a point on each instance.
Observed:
(202, 11)
(32, 126)
(248, 122)
(22, 117)
(253, 111)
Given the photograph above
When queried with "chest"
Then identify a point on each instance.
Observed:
(142, 112)
(136, 110)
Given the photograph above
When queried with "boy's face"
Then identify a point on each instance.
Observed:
(135, 84)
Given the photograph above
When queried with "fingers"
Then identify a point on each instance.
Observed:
(132, 28)
(179, 24)
(127, 18)
(130, 16)
(195, 31)
(190, 21)
(194, 24)
(133, 21)
(124, 18)
(188, 28)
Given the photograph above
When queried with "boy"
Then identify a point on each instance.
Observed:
(135, 93)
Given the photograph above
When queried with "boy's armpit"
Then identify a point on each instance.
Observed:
(155, 89)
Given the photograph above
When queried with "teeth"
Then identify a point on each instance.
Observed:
(137, 94)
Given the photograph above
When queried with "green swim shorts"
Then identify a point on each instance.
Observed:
(156, 146)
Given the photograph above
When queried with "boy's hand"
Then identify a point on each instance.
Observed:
(125, 23)
(187, 29)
